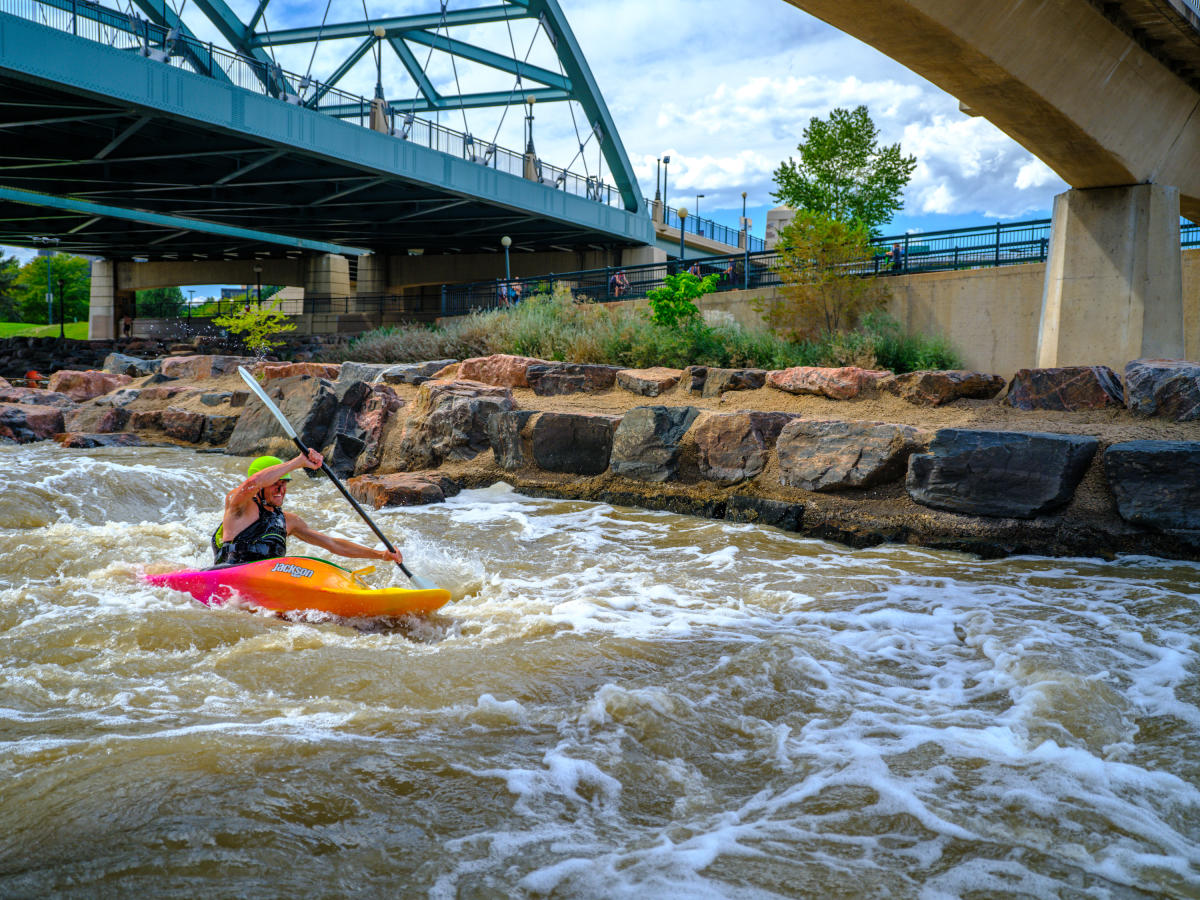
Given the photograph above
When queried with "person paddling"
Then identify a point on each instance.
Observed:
(254, 516)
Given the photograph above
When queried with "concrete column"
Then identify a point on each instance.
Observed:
(1114, 279)
(372, 275)
(379, 116)
(327, 276)
(102, 313)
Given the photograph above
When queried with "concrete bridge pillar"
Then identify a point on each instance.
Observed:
(109, 304)
(372, 275)
(1114, 280)
(327, 276)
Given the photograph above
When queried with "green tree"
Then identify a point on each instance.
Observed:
(843, 173)
(160, 303)
(256, 324)
(70, 273)
(672, 305)
(822, 261)
(10, 306)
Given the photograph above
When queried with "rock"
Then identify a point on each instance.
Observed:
(500, 370)
(845, 383)
(342, 455)
(1155, 483)
(36, 397)
(162, 392)
(415, 373)
(24, 423)
(999, 473)
(372, 418)
(1066, 388)
(86, 441)
(80, 386)
(204, 366)
(308, 403)
(733, 447)
(183, 425)
(761, 511)
(5, 383)
(402, 489)
(578, 443)
(145, 420)
(271, 371)
(218, 429)
(96, 419)
(1163, 387)
(718, 381)
(238, 399)
(648, 382)
(936, 388)
(646, 443)
(553, 379)
(693, 378)
(358, 371)
(447, 421)
(216, 398)
(122, 364)
(828, 456)
(512, 445)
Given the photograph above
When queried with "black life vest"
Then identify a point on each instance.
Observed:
(262, 539)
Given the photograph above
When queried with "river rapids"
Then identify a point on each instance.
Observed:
(619, 703)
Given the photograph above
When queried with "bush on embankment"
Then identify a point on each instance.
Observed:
(558, 328)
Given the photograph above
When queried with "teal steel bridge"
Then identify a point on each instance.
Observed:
(123, 134)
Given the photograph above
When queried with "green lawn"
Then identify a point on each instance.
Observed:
(76, 331)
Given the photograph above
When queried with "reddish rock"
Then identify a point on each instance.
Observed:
(23, 423)
(733, 447)
(35, 397)
(448, 420)
(935, 388)
(500, 370)
(648, 382)
(5, 383)
(183, 425)
(80, 386)
(845, 383)
(693, 378)
(146, 420)
(162, 392)
(827, 456)
(1163, 387)
(86, 441)
(402, 489)
(554, 379)
(271, 371)
(372, 417)
(1066, 388)
(203, 366)
(96, 419)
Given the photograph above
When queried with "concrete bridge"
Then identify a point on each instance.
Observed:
(1107, 94)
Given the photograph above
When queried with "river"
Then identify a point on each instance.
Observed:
(620, 703)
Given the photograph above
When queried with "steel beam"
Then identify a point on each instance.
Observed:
(392, 25)
(488, 58)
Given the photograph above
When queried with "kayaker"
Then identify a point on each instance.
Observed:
(254, 515)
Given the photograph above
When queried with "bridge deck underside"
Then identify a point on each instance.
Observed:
(58, 140)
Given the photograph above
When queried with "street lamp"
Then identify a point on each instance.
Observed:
(666, 162)
(698, 220)
(745, 246)
(49, 270)
(506, 242)
(61, 316)
(682, 221)
(191, 297)
(258, 282)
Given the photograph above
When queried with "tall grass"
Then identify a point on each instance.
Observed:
(555, 327)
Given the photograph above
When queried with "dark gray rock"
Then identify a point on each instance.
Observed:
(828, 456)
(26, 423)
(84, 441)
(577, 443)
(1156, 483)
(217, 429)
(999, 473)
(511, 445)
(646, 443)
(553, 379)
(1169, 388)
(718, 381)
(123, 364)
(693, 378)
(761, 511)
(216, 398)
(307, 402)
(343, 454)
(448, 421)
(414, 373)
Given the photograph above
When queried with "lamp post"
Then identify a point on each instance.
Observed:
(683, 213)
(191, 297)
(258, 282)
(745, 246)
(698, 220)
(666, 162)
(506, 242)
(61, 316)
(49, 254)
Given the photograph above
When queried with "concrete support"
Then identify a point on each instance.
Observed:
(372, 276)
(1114, 283)
(102, 317)
(327, 276)
(379, 116)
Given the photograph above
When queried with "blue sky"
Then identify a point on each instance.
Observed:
(726, 90)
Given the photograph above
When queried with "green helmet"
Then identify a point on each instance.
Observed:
(265, 462)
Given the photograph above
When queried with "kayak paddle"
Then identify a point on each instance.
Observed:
(423, 583)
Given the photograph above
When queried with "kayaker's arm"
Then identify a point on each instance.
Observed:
(297, 527)
(244, 492)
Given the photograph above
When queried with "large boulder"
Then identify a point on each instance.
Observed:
(999, 473)
(1155, 483)
(89, 441)
(371, 419)
(500, 369)
(733, 447)
(577, 443)
(1163, 387)
(938, 387)
(718, 381)
(203, 366)
(414, 373)
(646, 443)
(510, 439)
(271, 371)
(96, 419)
(35, 397)
(308, 403)
(693, 378)
(22, 423)
(402, 489)
(80, 386)
(447, 421)
(845, 383)
(123, 364)
(1066, 388)
(829, 456)
(648, 382)
(552, 379)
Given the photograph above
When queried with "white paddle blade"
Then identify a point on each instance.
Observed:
(252, 383)
(424, 583)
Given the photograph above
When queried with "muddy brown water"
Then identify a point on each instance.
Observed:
(619, 703)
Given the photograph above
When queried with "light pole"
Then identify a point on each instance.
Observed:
(682, 221)
(698, 220)
(745, 246)
(658, 181)
(258, 282)
(61, 316)
(666, 162)
(506, 242)
(49, 254)
(191, 297)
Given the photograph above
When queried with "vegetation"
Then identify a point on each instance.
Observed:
(23, 289)
(75, 331)
(160, 303)
(256, 324)
(555, 327)
(843, 173)
(674, 304)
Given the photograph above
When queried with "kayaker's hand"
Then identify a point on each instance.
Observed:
(395, 556)
(311, 460)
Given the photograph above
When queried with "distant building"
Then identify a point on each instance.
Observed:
(228, 293)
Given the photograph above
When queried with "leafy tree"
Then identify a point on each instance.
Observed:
(255, 324)
(672, 305)
(822, 261)
(844, 173)
(160, 303)
(10, 306)
(72, 273)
